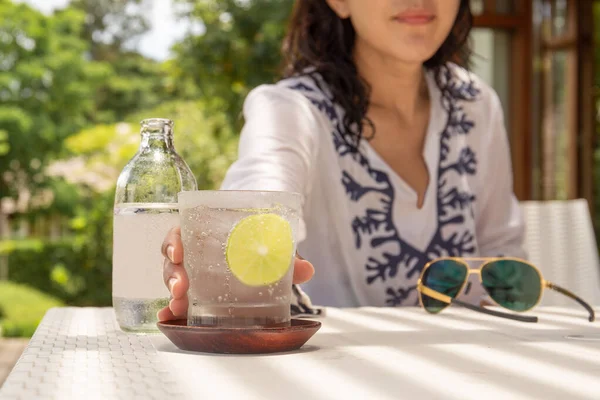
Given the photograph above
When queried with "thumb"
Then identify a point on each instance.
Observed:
(303, 270)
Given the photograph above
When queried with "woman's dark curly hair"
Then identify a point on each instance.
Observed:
(319, 43)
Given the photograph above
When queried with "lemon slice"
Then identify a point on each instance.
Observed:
(260, 249)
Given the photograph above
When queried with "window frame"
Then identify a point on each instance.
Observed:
(518, 25)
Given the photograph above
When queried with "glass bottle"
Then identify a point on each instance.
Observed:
(145, 210)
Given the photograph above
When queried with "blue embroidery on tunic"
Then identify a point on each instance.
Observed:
(377, 223)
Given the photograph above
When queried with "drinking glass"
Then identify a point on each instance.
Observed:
(239, 249)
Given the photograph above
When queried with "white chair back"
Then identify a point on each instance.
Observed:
(560, 240)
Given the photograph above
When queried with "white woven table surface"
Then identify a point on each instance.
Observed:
(366, 353)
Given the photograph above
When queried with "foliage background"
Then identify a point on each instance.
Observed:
(72, 93)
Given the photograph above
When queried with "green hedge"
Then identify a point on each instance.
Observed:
(22, 309)
(77, 269)
(63, 269)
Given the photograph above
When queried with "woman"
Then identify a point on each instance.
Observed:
(401, 155)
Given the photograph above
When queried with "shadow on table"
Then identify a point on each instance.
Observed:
(460, 352)
(508, 365)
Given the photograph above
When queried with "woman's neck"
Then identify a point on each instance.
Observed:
(395, 86)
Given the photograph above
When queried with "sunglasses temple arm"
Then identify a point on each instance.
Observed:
(449, 300)
(573, 296)
(522, 318)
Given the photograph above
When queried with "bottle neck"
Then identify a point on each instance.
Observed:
(157, 135)
(158, 141)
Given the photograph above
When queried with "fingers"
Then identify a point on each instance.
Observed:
(172, 247)
(174, 276)
(177, 309)
(165, 314)
(176, 279)
(303, 270)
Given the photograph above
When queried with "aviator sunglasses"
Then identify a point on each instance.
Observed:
(511, 283)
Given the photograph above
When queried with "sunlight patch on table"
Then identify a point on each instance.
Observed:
(448, 383)
(434, 321)
(576, 383)
(368, 323)
(588, 354)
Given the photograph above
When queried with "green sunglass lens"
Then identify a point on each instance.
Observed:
(444, 276)
(512, 284)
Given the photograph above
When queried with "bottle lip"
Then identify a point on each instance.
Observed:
(157, 123)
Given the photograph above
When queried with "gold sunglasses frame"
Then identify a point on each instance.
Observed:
(544, 284)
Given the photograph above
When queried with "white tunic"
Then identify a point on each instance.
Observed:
(362, 228)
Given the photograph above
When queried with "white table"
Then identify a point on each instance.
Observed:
(365, 353)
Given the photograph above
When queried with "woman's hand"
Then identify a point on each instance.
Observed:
(176, 278)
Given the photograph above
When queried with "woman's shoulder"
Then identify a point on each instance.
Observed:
(310, 85)
(295, 88)
(285, 105)
(305, 95)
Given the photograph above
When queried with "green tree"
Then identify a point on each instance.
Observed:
(204, 140)
(112, 25)
(112, 29)
(136, 83)
(240, 49)
(47, 89)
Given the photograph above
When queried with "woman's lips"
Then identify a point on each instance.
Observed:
(415, 18)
